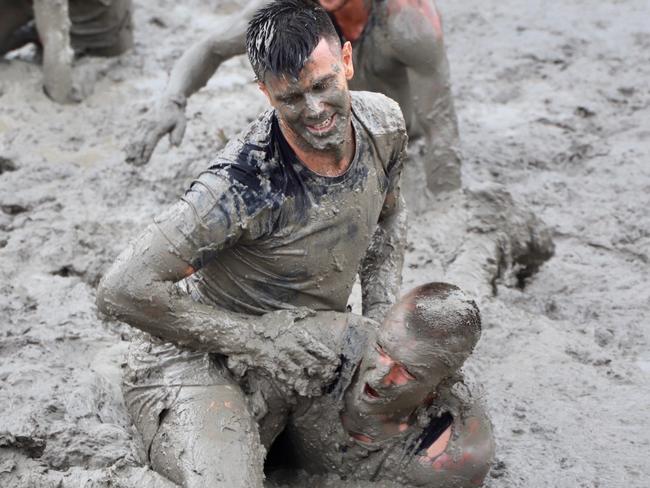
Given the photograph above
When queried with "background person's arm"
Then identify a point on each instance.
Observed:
(423, 53)
(190, 73)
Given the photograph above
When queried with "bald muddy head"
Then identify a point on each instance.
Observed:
(303, 70)
(424, 340)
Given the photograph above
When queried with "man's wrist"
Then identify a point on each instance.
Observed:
(177, 99)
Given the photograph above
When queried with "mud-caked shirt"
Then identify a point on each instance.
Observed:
(264, 232)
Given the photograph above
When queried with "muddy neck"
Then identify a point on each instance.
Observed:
(352, 18)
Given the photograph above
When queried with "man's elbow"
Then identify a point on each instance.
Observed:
(112, 298)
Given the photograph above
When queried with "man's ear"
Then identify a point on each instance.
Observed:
(262, 86)
(346, 56)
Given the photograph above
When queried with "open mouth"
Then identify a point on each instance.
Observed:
(323, 127)
(370, 392)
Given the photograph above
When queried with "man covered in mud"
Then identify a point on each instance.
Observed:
(266, 241)
(400, 410)
(65, 28)
(398, 50)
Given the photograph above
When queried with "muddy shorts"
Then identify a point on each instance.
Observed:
(157, 371)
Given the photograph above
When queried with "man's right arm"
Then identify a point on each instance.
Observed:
(140, 290)
(190, 73)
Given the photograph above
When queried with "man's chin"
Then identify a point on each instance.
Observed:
(331, 144)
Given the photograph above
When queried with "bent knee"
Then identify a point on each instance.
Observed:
(208, 438)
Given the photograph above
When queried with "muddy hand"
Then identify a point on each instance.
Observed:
(168, 118)
(301, 361)
(294, 357)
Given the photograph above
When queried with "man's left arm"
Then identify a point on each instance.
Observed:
(381, 268)
(423, 53)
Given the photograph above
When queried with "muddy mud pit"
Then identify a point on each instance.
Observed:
(552, 103)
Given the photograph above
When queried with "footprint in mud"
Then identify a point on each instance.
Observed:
(13, 208)
(7, 165)
(67, 271)
(499, 469)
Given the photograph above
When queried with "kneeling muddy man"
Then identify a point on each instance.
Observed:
(265, 241)
(399, 410)
(398, 50)
(65, 28)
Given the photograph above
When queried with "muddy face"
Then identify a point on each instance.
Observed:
(398, 372)
(314, 110)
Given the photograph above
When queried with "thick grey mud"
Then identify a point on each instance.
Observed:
(550, 104)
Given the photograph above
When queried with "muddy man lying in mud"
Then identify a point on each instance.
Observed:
(399, 410)
(398, 50)
(65, 28)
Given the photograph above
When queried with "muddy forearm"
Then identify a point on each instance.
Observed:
(440, 129)
(275, 342)
(424, 54)
(193, 70)
(439, 125)
(157, 307)
(381, 269)
(140, 290)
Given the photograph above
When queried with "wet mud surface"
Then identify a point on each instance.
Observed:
(552, 103)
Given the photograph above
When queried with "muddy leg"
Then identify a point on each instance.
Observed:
(14, 15)
(111, 34)
(208, 438)
(53, 26)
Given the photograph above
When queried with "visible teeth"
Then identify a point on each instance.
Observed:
(325, 123)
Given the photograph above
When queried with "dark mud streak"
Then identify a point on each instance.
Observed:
(32, 446)
(14, 208)
(7, 165)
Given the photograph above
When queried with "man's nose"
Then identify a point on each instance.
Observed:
(314, 104)
(382, 372)
(394, 377)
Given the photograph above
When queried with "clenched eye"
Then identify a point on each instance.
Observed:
(405, 372)
(323, 85)
(397, 367)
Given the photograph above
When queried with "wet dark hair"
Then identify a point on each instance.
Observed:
(282, 35)
(442, 317)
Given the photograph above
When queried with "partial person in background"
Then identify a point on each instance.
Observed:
(398, 50)
(65, 29)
